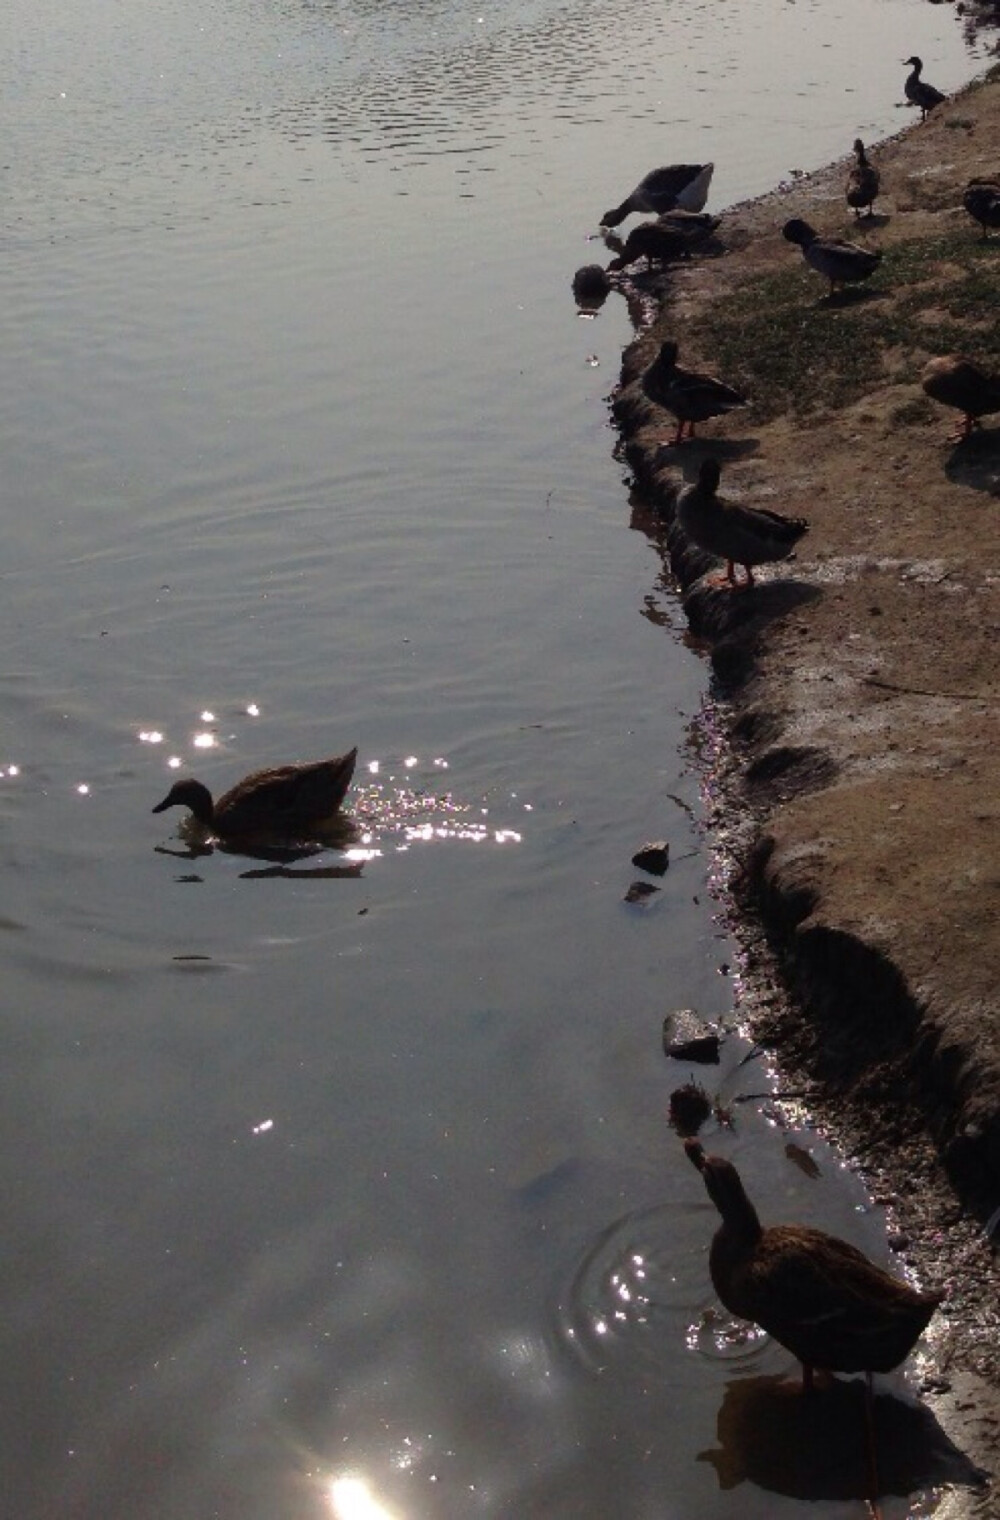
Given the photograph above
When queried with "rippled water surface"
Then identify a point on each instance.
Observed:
(338, 1194)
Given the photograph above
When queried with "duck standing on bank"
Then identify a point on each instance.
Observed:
(862, 182)
(839, 262)
(684, 393)
(956, 381)
(289, 802)
(670, 237)
(917, 91)
(675, 185)
(818, 1296)
(982, 201)
(740, 535)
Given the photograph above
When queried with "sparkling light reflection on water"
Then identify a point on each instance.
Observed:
(320, 1174)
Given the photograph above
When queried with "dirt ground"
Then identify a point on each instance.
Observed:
(858, 781)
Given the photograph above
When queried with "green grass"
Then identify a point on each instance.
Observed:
(791, 350)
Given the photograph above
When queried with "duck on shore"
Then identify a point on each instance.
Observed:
(740, 535)
(689, 396)
(670, 237)
(862, 181)
(818, 1296)
(839, 262)
(289, 802)
(982, 201)
(917, 91)
(664, 189)
(957, 381)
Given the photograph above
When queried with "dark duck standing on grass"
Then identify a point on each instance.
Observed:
(289, 802)
(917, 91)
(956, 381)
(837, 261)
(862, 182)
(818, 1296)
(686, 394)
(740, 535)
(675, 185)
(982, 201)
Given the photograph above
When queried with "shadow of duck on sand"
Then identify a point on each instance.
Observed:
(808, 1447)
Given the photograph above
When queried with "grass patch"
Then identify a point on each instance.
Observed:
(790, 350)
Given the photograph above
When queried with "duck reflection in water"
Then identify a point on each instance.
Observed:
(807, 1448)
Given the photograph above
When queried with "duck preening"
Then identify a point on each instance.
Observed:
(956, 381)
(740, 535)
(982, 201)
(818, 1296)
(290, 801)
(689, 396)
(862, 181)
(917, 91)
(683, 185)
(837, 261)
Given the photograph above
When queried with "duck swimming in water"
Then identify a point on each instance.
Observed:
(918, 92)
(837, 261)
(689, 396)
(956, 381)
(818, 1296)
(289, 802)
(862, 182)
(740, 535)
(674, 185)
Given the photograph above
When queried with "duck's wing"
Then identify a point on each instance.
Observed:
(705, 391)
(286, 798)
(753, 536)
(830, 1305)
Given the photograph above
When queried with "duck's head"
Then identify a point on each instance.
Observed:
(798, 231)
(668, 354)
(915, 62)
(191, 794)
(859, 149)
(723, 1185)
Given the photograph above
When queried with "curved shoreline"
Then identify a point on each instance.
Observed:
(859, 806)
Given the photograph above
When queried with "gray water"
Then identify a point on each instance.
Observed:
(354, 1196)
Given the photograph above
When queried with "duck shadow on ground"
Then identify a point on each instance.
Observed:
(853, 296)
(974, 462)
(690, 454)
(815, 1446)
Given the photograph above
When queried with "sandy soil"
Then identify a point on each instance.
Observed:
(860, 769)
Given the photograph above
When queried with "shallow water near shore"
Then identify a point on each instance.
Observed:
(354, 1196)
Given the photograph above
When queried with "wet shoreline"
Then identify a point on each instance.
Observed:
(845, 850)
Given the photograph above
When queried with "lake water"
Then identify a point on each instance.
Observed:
(354, 1196)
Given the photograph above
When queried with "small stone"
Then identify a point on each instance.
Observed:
(639, 891)
(703, 1050)
(653, 857)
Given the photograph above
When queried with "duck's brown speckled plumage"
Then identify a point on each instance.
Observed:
(838, 261)
(982, 201)
(741, 535)
(689, 396)
(862, 181)
(818, 1296)
(289, 801)
(957, 381)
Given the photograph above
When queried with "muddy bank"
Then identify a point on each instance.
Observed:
(859, 768)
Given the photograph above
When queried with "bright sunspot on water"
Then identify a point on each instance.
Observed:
(351, 1499)
(204, 741)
